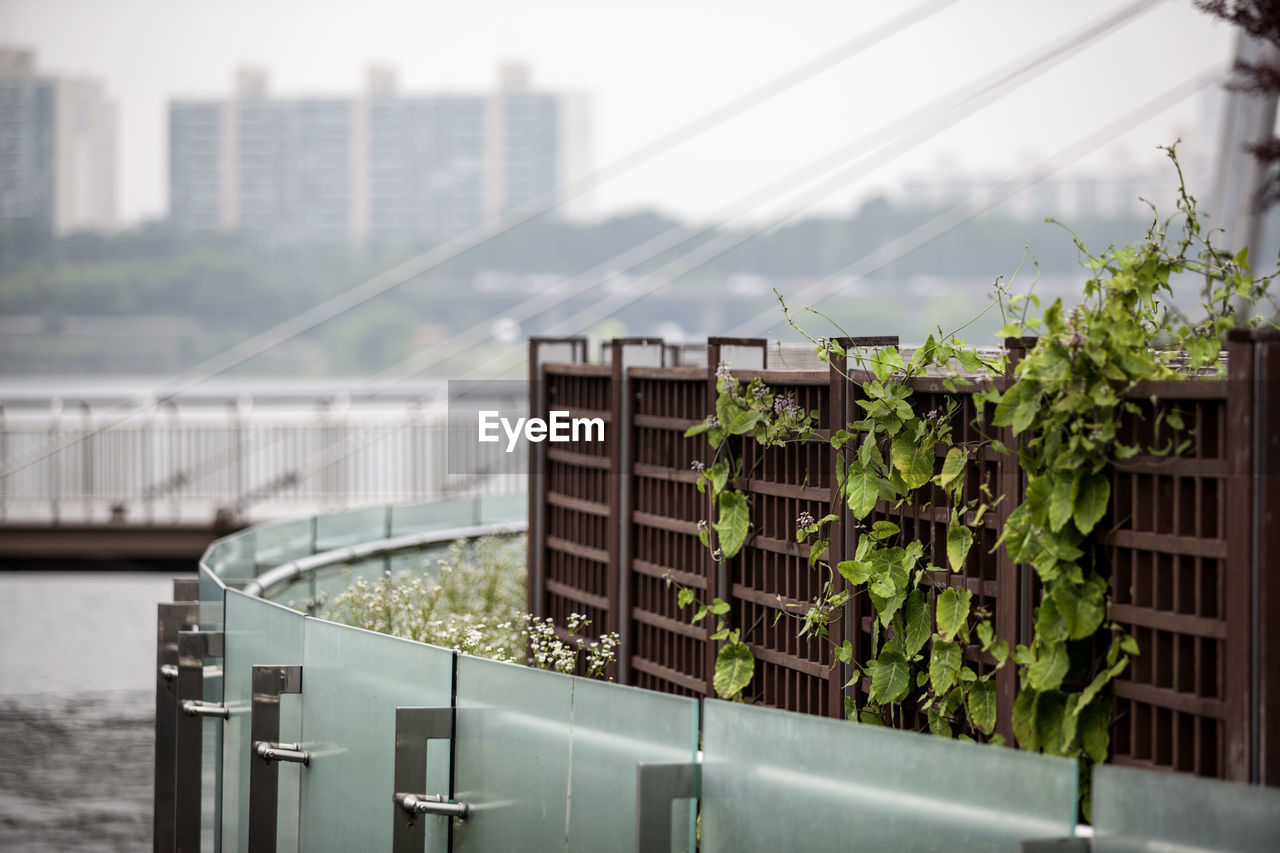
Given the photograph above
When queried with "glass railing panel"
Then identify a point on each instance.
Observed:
(511, 756)
(258, 632)
(530, 743)
(314, 592)
(775, 780)
(216, 554)
(353, 681)
(233, 557)
(504, 508)
(437, 515)
(1141, 810)
(281, 542)
(614, 729)
(351, 527)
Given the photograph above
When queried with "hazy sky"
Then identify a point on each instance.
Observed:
(648, 67)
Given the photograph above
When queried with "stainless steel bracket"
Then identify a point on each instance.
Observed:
(197, 708)
(657, 787)
(170, 620)
(291, 752)
(269, 682)
(415, 804)
(414, 727)
(193, 648)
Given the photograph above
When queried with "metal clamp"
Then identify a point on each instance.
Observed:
(193, 648)
(264, 732)
(198, 708)
(414, 727)
(416, 804)
(291, 752)
(657, 786)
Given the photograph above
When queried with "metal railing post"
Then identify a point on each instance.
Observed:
(414, 727)
(193, 648)
(269, 682)
(171, 620)
(657, 787)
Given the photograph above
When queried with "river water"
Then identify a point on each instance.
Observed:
(77, 709)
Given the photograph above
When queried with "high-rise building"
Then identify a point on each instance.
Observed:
(57, 147)
(382, 166)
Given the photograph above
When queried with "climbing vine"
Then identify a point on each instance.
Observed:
(1063, 405)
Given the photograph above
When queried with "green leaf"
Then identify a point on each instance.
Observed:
(890, 675)
(1099, 681)
(854, 571)
(735, 665)
(952, 466)
(891, 357)
(684, 597)
(1082, 608)
(1049, 668)
(1091, 501)
(1026, 412)
(1051, 627)
(884, 529)
(735, 519)
(944, 665)
(1095, 729)
(719, 473)
(863, 491)
(697, 429)
(719, 607)
(918, 621)
(953, 612)
(844, 652)
(1025, 729)
(982, 706)
(959, 540)
(817, 550)
(870, 718)
(743, 422)
(726, 410)
(886, 603)
(700, 615)
(1014, 405)
(1051, 709)
(938, 724)
(913, 459)
(867, 449)
(1062, 499)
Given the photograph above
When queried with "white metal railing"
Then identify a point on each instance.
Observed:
(247, 465)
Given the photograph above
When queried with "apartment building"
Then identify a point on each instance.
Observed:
(382, 166)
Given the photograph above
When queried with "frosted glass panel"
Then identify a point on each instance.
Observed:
(614, 729)
(257, 633)
(351, 527)
(232, 557)
(540, 754)
(352, 683)
(1142, 810)
(441, 515)
(504, 508)
(279, 543)
(773, 780)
